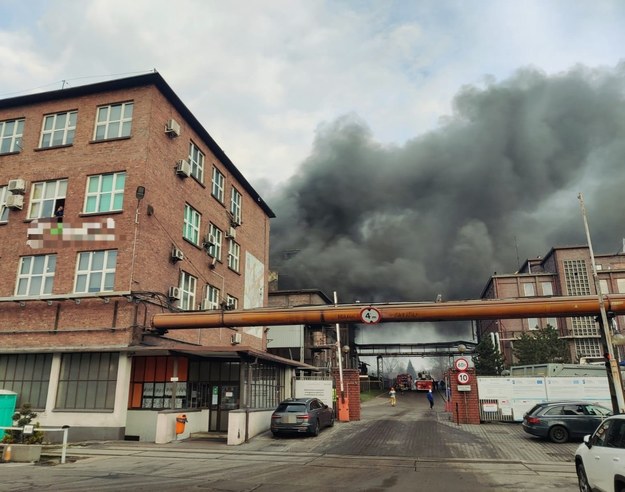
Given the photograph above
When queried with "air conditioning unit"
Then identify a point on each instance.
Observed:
(172, 128)
(235, 339)
(15, 202)
(209, 240)
(17, 186)
(183, 168)
(174, 293)
(232, 233)
(177, 254)
(207, 304)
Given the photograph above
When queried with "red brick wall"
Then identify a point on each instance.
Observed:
(148, 158)
(465, 405)
(351, 386)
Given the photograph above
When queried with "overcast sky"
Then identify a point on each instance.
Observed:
(261, 76)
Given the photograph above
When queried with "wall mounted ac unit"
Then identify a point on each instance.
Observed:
(172, 128)
(235, 339)
(209, 240)
(15, 202)
(207, 304)
(176, 254)
(232, 233)
(183, 168)
(17, 186)
(174, 293)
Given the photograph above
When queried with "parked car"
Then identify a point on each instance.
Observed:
(563, 420)
(308, 415)
(600, 459)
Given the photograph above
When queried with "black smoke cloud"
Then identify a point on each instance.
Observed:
(495, 184)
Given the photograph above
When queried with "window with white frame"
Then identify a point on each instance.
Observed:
(95, 271)
(528, 289)
(46, 197)
(191, 227)
(215, 236)
(232, 302)
(11, 136)
(58, 129)
(105, 193)
(553, 322)
(4, 211)
(604, 286)
(196, 159)
(532, 323)
(35, 275)
(219, 181)
(547, 288)
(188, 284)
(234, 251)
(212, 297)
(620, 284)
(113, 121)
(235, 205)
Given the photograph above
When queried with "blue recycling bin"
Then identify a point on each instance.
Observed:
(7, 408)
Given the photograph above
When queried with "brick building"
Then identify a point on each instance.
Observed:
(115, 204)
(563, 271)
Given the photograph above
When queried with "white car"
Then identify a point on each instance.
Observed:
(600, 459)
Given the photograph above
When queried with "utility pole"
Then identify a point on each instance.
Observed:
(612, 369)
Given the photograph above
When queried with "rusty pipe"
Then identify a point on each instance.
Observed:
(525, 307)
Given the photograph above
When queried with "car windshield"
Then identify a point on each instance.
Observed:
(291, 407)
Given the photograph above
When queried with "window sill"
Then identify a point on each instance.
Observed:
(110, 139)
(52, 147)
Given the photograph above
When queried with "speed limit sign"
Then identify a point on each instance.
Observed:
(461, 364)
(370, 315)
(463, 378)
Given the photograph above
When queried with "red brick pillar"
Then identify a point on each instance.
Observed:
(465, 403)
(351, 386)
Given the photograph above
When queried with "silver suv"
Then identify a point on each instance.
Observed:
(600, 459)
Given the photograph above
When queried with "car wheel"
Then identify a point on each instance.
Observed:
(582, 479)
(558, 434)
(331, 424)
(314, 430)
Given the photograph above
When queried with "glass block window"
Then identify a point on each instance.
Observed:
(46, 197)
(11, 133)
(218, 185)
(588, 347)
(58, 129)
(87, 381)
(36, 275)
(196, 159)
(191, 226)
(114, 121)
(105, 193)
(584, 326)
(28, 375)
(95, 271)
(576, 278)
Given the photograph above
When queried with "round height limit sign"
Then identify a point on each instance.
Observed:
(462, 365)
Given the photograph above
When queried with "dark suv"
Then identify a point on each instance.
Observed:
(562, 420)
(308, 415)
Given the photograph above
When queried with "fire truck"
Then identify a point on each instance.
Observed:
(424, 381)
(403, 382)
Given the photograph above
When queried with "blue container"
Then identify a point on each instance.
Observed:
(7, 408)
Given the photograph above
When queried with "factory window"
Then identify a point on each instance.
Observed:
(214, 241)
(235, 206)
(28, 375)
(58, 129)
(114, 121)
(187, 291)
(191, 226)
(620, 284)
(532, 324)
(95, 271)
(232, 302)
(105, 193)
(529, 290)
(87, 381)
(196, 159)
(11, 136)
(234, 251)
(151, 385)
(4, 211)
(46, 197)
(35, 275)
(219, 181)
(212, 296)
(547, 288)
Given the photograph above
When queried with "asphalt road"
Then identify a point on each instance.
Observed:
(401, 448)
